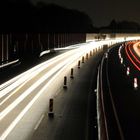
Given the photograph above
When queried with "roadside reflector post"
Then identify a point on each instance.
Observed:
(79, 64)
(51, 113)
(135, 83)
(87, 56)
(128, 71)
(71, 74)
(65, 82)
(90, 53)
(83, 59)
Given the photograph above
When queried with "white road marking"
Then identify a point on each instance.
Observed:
(39, 121)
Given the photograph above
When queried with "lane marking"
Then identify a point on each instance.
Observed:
(113, 104)
(39, 121)
(102, 99)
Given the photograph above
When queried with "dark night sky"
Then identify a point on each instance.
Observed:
(103, 11)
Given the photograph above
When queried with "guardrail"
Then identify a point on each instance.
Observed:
(8, 63)
(101, 118)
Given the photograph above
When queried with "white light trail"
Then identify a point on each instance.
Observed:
(26, 76)
(67, 59)
(8, 86)
(36, 84)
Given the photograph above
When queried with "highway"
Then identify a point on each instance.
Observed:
(119, 89)
(28, 94)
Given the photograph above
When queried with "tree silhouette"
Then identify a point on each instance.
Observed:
(23, 16)
(121, 27)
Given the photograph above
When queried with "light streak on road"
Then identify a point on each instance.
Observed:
(53, 60)
(35, 98)
(15, 91)
(13, 83)
(37, 83)
(133, 54)
(130, 58)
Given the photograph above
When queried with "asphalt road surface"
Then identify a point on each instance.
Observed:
(125, 97)
(25, 97)
(74, 108)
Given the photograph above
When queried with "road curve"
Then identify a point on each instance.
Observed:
(123, 69)
(20, 93)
